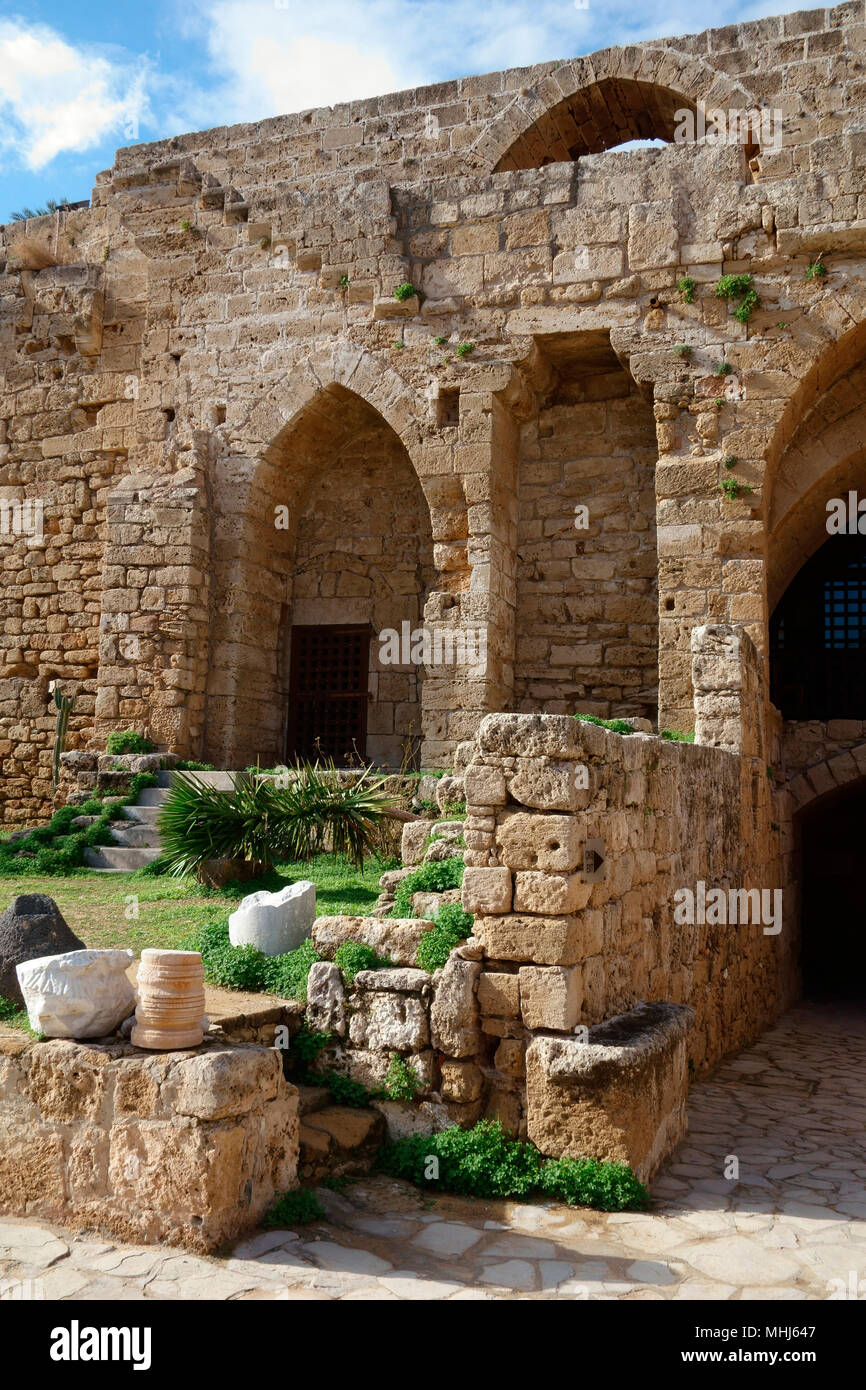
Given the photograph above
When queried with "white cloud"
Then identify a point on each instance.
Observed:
(56, 98)
(269, 57)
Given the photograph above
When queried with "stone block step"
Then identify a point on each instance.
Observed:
(112, 858)
(132, 836)
(338, 1139)
(311, 1098)
(221, 780)
(152, 796)
(142, 815)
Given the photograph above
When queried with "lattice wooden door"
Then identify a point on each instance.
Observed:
(328, 692)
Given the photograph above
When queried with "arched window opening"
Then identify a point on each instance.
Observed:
(818, 636)
(613, 112)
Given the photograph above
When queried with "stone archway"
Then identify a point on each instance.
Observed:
(591, 104)
(334, 536)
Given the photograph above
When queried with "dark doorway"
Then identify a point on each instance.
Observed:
(328, 693)
(818, 636)
(832, 835)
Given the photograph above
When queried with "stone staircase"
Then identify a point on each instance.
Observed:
(136, 837)
(137, 843)
(335, 1139)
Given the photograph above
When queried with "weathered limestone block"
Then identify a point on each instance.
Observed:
(454, 1011)
(370, 1068)
(531, 735)
(536, 940)
(535, 891)
(551, 785)
(275, 923)
(31, 926)
(81, 994)
(326, 999)
(620, 1096)
(550, 996)
(414, 838)
(460, 1081)
(181, 1149)
(485, 786)
(499, 994)
(531, 841)
(486, 890)
(395, 938)
(450, 791)
(385, 1017)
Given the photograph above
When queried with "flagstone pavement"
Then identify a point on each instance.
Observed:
(791, 1110)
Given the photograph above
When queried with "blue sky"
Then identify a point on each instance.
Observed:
(79, 80)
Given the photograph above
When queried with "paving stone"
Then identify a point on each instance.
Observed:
(512, 1274)
(447, 1239)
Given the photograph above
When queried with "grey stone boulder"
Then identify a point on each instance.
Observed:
(32, 926)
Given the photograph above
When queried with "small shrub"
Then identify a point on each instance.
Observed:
(674, 736)
(682, 350)
(184, 226)
(593, 1182)
(405, 291)
(427, 878)
(306, 1046)
(686, 287)
(730, 462)
(353, 956)
(344, 282)
(464, 350)
(722, 369)
(450, 926)
(455, 810)
(127, 741)
(343, 1090)
(294, 1208)
(401, 1083)
(484, 1162)
(190, 765)
(440, 341)
(286, 975)
(816, 270)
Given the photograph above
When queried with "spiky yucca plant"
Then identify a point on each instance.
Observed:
(262, 822)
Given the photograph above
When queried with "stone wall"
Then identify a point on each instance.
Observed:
(587, 594)
(180, 1148)
(208, 336)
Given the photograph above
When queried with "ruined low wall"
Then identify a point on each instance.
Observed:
(182, 1148)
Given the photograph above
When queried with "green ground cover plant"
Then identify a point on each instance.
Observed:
(484, 1162)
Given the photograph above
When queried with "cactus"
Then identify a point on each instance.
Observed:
(64, 705)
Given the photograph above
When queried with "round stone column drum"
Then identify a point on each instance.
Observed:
(170, 1009)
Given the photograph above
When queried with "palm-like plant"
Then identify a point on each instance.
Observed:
(258, 821)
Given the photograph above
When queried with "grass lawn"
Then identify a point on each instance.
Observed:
(101, 908)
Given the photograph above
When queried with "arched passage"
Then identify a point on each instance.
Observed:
(831, 832)
(323, 543)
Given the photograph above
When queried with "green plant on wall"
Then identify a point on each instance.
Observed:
(64, 705)
(816, 270)
(404, 291)
(741, 288)
(732, 489)
(686, 288)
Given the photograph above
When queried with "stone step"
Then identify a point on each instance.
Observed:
(119, 861)
(312, 1098)
(142, 815)
(339, 1139)
(222, 781)
(152, 796)
(132, 836)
